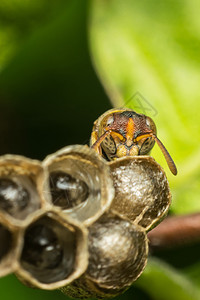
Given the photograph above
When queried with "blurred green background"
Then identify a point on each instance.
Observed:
(63, 63)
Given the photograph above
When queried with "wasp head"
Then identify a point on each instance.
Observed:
(124, 132)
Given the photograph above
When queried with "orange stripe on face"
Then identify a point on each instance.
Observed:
(130, 128)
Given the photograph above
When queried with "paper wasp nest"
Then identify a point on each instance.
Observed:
(54, 251)
(142, 192)
(78, 182)
(20, 188)
(9, 247)
(79, 222)
(20, 198)
(117, 255)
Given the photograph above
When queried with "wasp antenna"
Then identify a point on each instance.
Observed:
(167, 156)
(97, 144)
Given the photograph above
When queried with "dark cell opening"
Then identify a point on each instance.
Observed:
(67, 191)
(49, 251)
(42, 248)
(5, 242)
(14, 198)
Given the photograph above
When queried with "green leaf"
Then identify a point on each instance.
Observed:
(12, 288)
(49, 91)
(147, 56)
(18, 18)
(162, 282)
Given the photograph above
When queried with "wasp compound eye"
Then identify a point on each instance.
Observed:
(54, 251)
(66, 190)
(13, 197)
(78, 180)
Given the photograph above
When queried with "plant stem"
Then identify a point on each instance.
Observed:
(175, 231)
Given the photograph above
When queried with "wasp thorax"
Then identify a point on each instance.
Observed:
(142, 192)
(50, 255)
(117, 255)
(67, 191)
(19, 187)
(79, 182)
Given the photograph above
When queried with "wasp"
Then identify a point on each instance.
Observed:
(123, 132)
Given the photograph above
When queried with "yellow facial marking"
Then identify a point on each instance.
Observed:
(134, 151)
(121, 151)
(142, 136)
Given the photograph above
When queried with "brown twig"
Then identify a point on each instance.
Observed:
(176, 231)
